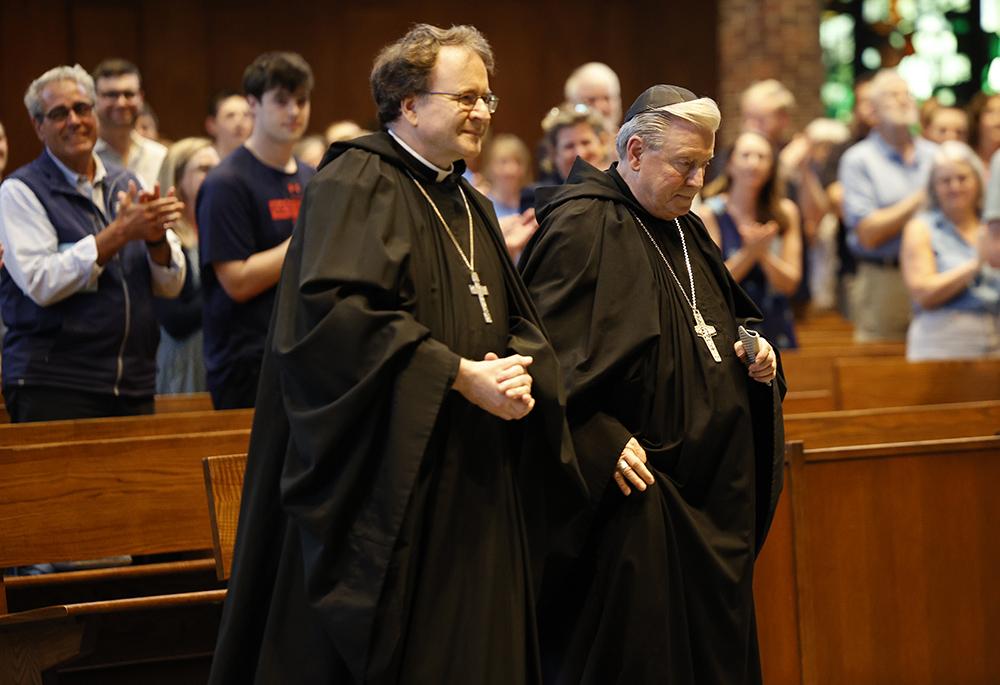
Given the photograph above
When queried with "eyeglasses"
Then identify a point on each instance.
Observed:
(115, 94)
(61, 113)
(467, 101)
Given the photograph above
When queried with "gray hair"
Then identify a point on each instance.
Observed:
(75, 73)
(591, 71)
(956, 151)
(652, 127)
(881, 79)
(771, 91)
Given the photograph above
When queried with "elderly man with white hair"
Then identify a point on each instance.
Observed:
(596, 85)
(85, 252)
(884, 178)
(645, 319)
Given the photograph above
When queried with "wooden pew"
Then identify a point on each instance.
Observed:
(810, 376)
(890, 554)
(811, 368)
(823, 321)
(894, 382)
(821, 338)
(807, 401)
(775, 600)
(195, 401)
(894, 424)
(165, 404)
(224, 487)
(105, 498)
(13, 434)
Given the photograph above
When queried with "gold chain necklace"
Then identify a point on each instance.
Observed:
(476, 288)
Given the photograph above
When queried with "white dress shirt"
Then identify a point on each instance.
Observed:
(48, 272)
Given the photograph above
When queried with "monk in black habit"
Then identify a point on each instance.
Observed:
(392, 480)
(643, 315)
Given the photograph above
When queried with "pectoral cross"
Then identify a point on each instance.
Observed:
(705, 332)
(481, 291)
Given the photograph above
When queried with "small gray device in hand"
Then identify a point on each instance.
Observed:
(750, 345)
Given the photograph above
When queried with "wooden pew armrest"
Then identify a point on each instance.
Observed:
(109, 574)
(115, 605)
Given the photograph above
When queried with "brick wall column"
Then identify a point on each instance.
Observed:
(760, 39)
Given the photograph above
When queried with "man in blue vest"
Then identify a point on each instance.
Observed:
(85, 253)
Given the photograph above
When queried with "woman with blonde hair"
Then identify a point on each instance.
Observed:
(180, 359)
(507, 169)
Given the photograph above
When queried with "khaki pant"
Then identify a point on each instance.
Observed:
(952, 334)
(880, 303)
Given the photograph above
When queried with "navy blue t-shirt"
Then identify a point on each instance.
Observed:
(243, 207)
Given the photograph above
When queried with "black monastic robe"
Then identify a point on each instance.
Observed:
(385, 520)
(662, 591)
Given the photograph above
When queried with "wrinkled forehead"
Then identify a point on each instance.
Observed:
(684, 134)
(65, 90)
(593, 88)
(458, 70)
(894, 87)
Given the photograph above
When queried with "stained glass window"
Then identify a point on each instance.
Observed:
(943, 48)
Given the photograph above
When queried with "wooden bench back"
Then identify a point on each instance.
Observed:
(894, 424)
(12, 434)
(811, 368)
(95, 499)
(165, 404)
(823, 321)
(894, 382)
(896, 564)
(195, 401)
(224, 486)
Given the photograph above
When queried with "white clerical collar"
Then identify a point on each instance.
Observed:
(442, 174)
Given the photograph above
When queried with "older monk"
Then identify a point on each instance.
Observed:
(645, 317)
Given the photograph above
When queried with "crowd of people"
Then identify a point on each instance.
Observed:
(811, 219)
(507, 430)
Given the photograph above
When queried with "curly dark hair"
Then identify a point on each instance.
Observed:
(403, 68)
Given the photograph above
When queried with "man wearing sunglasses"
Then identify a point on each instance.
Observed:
(85, 253)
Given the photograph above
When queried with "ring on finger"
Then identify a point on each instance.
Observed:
(622, 465)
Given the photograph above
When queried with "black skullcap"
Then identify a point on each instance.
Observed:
(658, 96)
